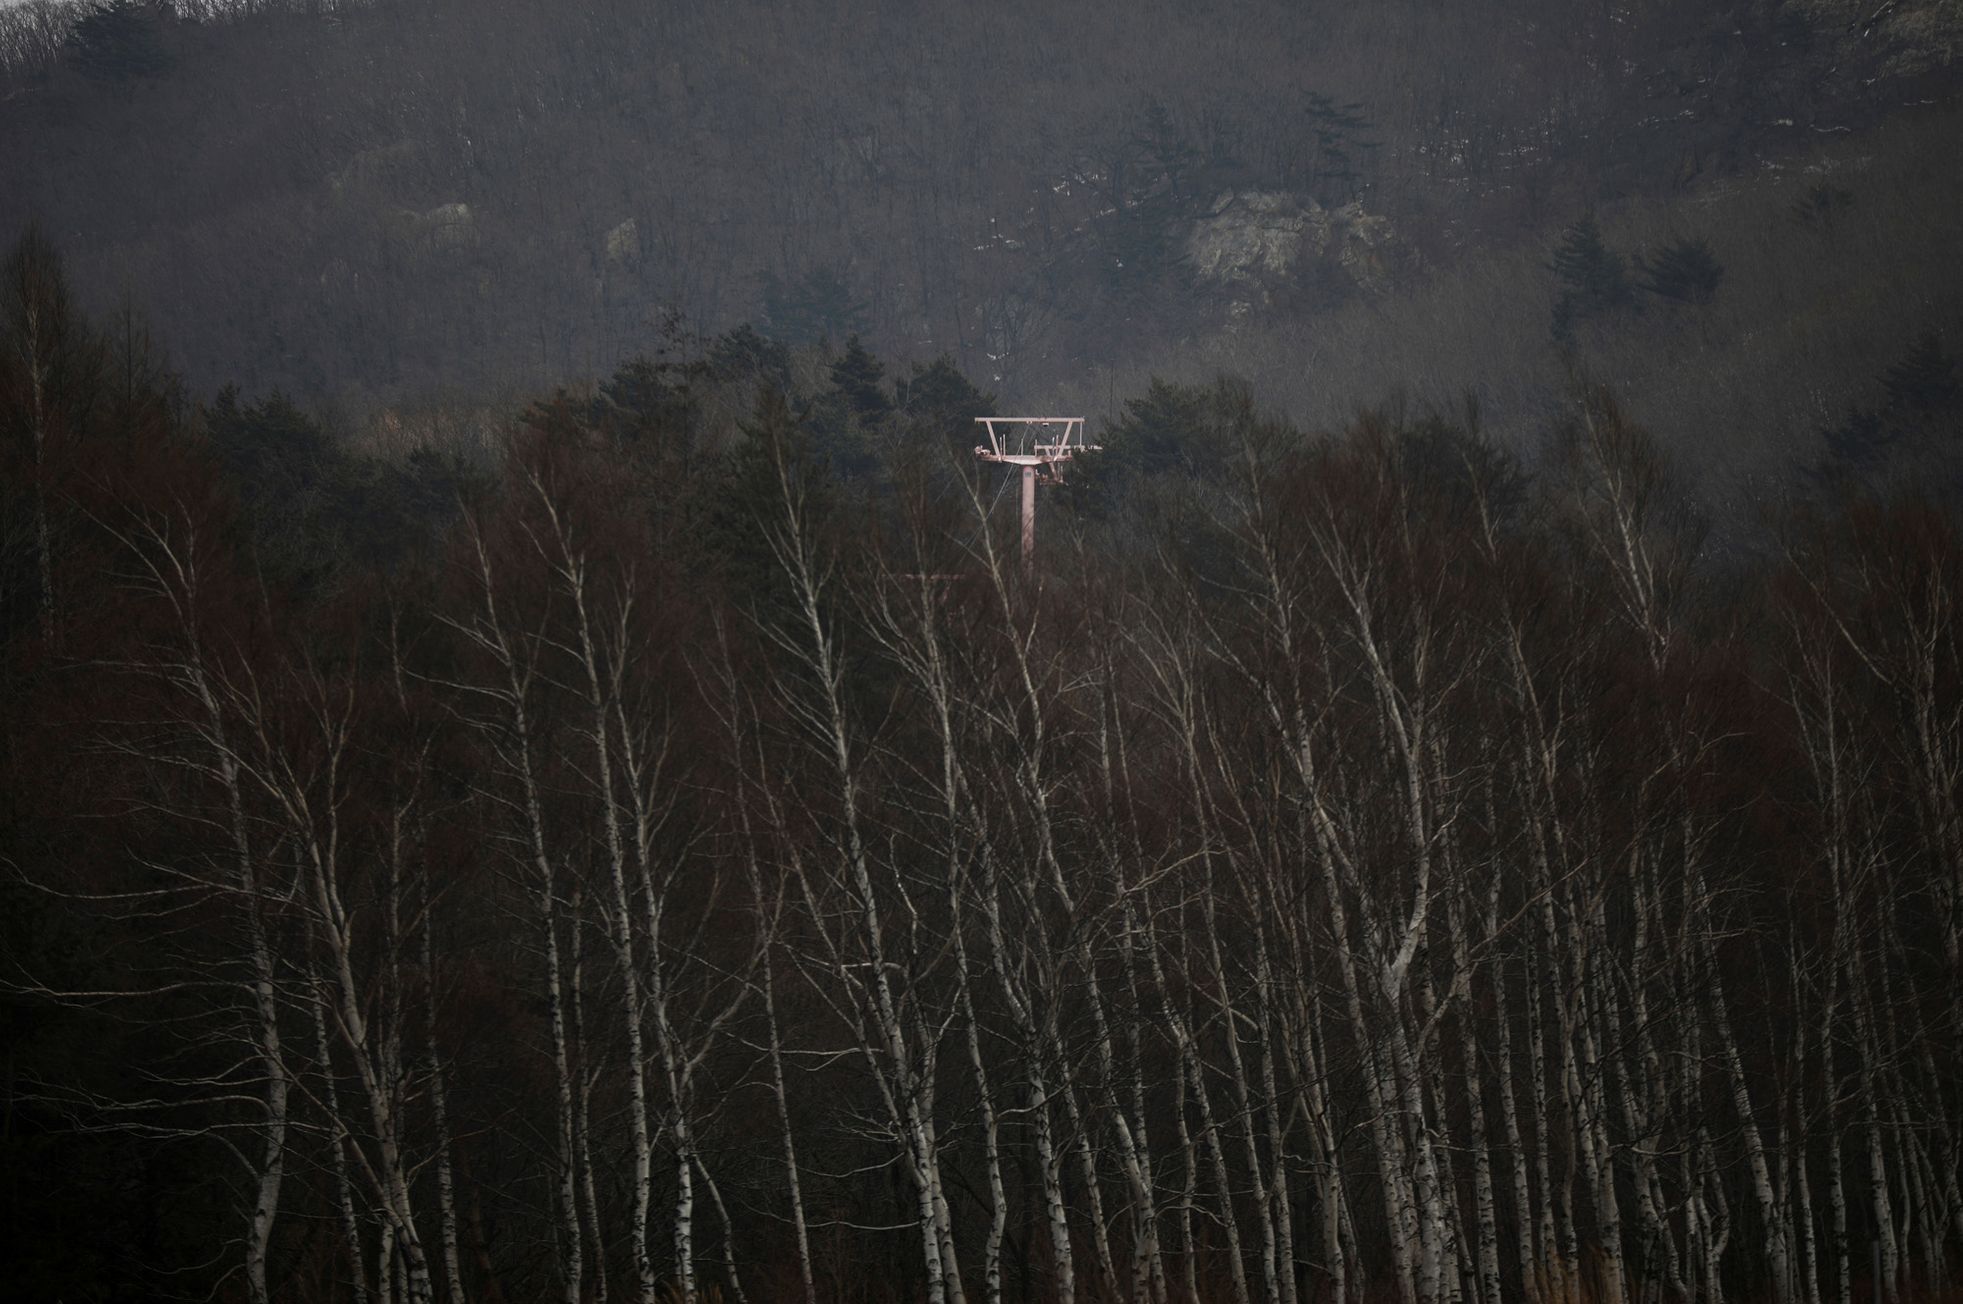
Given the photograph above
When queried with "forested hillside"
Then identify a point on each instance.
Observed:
(680, 854)
(533, 765)
(395, 206)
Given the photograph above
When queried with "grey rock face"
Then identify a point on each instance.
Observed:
(1257, 238)
(1254, 244)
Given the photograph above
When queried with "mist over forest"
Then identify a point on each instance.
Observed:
(538, 763)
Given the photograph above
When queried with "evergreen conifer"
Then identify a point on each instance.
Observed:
(859, 379)
(1925, 380)
(1861, 442)
(1685, 270)
(1595, 275)
(938, 397)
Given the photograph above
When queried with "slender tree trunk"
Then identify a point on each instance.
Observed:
(1486, 1216)
(1523, 1202)
(1778, 1252)
(177, 575)
(1557, 1236)
(768, 914)
(446, 1184)
(888, 1050)
(489, 632)
(1049, 1165)
(1837, 1201)
(1189, 1250)
(588, 1075)
(731, 1267)
(337, 1147)
(618, 915)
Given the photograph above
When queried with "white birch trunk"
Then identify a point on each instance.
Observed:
(888, 1052)
(588, 1075)
(767, 916)
(488, 631)
(1777, 1252)
(176, 574)
(1486, 1215)
(1189, 1192)
(1135, 1148)
(618, 916)
(1523, 1203)
(1049, 1165)
(337, 1147)
(1837, 1201)
(446, 1185)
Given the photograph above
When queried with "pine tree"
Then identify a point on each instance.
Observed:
(1924, 381)
(1192, 429)
(776, 454)
(859, 379)
(649, 404)
(1595, 275)
(939, 397)
(742, 354)
(1860, 443)
(1338, 131)
(1164, 150)
(1685, 270)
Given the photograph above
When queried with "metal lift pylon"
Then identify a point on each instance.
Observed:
(1039, 447)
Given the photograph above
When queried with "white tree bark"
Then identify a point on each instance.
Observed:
(902, 1069)
(514, 665)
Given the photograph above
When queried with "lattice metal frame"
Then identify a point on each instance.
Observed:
(1007, 443)
(1019, 442)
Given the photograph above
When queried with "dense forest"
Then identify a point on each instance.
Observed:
(687, 856)
(400, 210)
(533, 765)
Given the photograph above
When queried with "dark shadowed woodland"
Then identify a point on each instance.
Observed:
(532, 766)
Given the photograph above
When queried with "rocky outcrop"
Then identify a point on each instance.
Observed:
(1365, 247)
(1257, 238)
(624, 243)
(436, 230)
(1254, 244)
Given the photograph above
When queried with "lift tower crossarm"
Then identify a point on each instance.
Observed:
(1021, 442)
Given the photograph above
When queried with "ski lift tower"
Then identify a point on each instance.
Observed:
(1039, 446)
